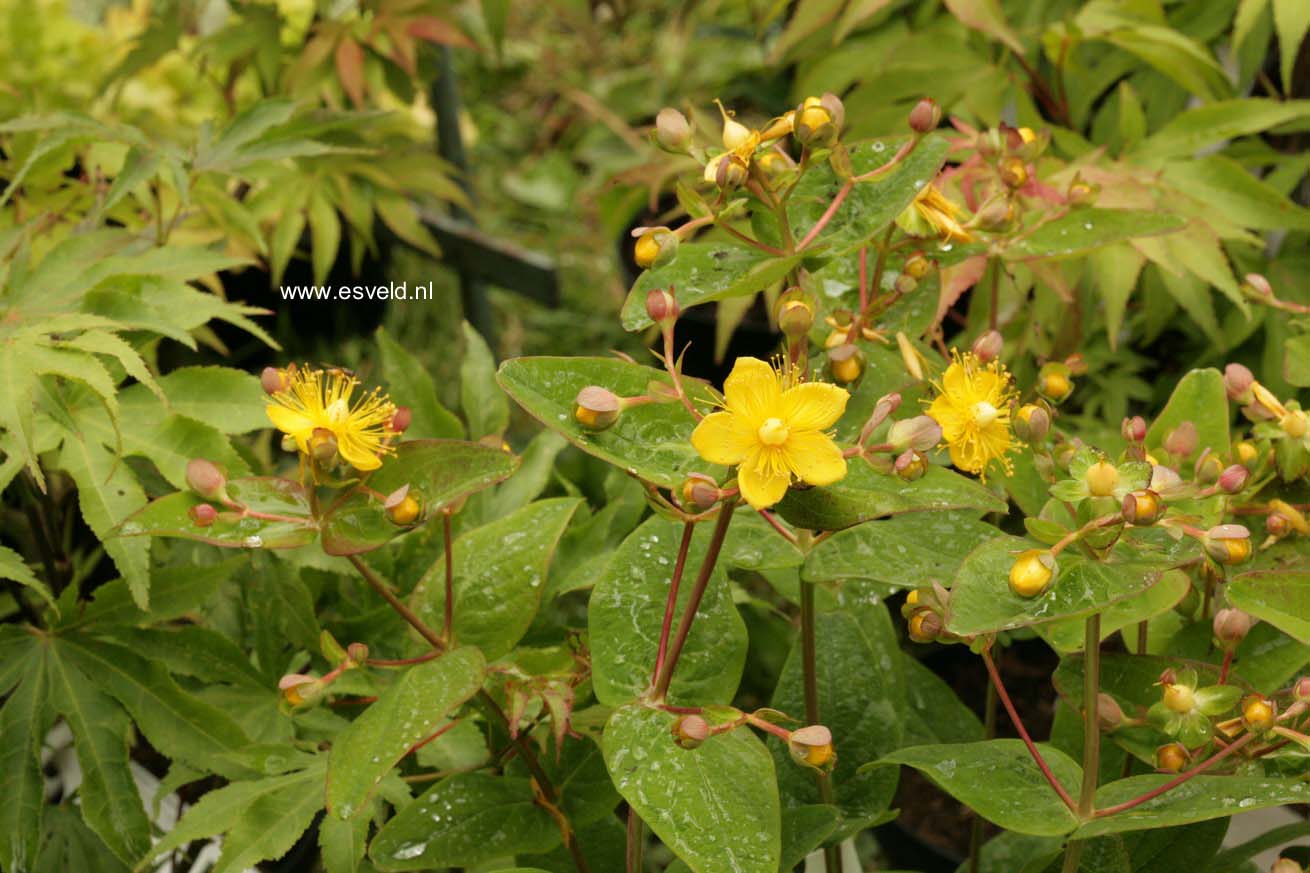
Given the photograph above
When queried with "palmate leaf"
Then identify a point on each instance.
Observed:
(14, 568)
(24, 720)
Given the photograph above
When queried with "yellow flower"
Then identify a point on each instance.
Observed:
(932, 214)
(317, 401)
(772, 427)
(973, 409)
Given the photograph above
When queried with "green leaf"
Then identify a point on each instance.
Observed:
(626, 611)
(987, 17)
(935, 714)
(176, 723)
(1281, 598)
(169, 517)
(1292, 21)
(804, 829)
(14, 568)
(485, 408)
(1067, 635)
(1296, 360)
(1198, 799)
(342, 843)
(899, 552)
(1114, 270)
(107, 492)
(68, 844)
(500, 571)
(871, 206)
(110, 802)
(703, 272)
(24, 720)
(439, 472)
(861, 700)
(999, 780)
(715, 806)
(1227, 186)
(408, 711)
(227, 400)
(1084, 230)
(244, 809)
(175, 591)
(412, 386)
(982, 602)
(866, 494)
(1194, 129)
(271, 825)
(465, 820)
(1200, 398)
(652, 441)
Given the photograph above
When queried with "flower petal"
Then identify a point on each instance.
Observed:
(752, 391)
(720, 438)
(761, 486)
(813, 405)
(357, 453)
(815, 458)
(289, 421)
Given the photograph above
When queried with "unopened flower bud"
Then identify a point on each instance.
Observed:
(1109, 715)
(795, 317)
(1246, 454)
(910, 465)
(1032, 423)
(917, 265)
(596, 408)
(655, 247)
(1101, 478)
(1301, 690)
(1014, 172)
(1277, 525)
(300, 691)
(700, 492)
(835, 107)
(1295, 423)
(662, 307)
(400, 419)
(1234, 478)
(357, 653)
(924, 626)
(1032, 572)
(1080, 192)
(1077, 364)
(1053, 382)
(1142, 507)
(814, 125)
(1258, 285)
(921, 433)
(1172, 758)
(1133, 429)
(988, 346)
(1258, 712)
(1180, 698)
(735, 134)
(1228, 543)
(1286, 865)
(202, 515)
(206, 479)
(1181, 441)
(323, 446)
(846, 363)
(925, 116)
(1231, 627)
(1238, 381)
(905, 284)
(403, 506)
(812, 746)
(1208, 467)
(886, 405)
(672, 132)
(273, 380)
(996, 214)
(690, 731)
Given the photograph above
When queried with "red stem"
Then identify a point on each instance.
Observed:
(403, 662)
(450, 579)
(864, 278)
(827, 215)
(777, 525)
(1223, 671)
(672, 602)
(1174, 783)
(1023, 733)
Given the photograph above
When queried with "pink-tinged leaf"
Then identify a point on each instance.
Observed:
(350, 69)
(277, 517)
(955, 280)
(439, 31)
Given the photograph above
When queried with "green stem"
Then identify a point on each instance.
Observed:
(989, 731)
(810, 669)
(449, 627)
(1091, 734)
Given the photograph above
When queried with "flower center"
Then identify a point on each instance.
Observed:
(338, 411)
(773, 432)
(984, 413)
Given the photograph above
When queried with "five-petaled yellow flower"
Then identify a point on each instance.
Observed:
(974, 412)
(314, 400)
(933, 214)
(773, 428)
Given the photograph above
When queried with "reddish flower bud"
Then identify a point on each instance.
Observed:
(1142, 507)
(988, 346)
(1228, 543)
(1301, 690)
(1238, 381)
(925, 116)
(202, 514)
(1032, 423)
(1258, 284)
(357, 653)
(273, 380)
(924, 626)
(1181, 441)
(1231, 627)
(1208, 467)
(812, 746)
(1233, 479)
(401, 419)
(662, 307)
(1109, 715)
(886, 405)
(910, 465)
(672, 132)
(700, 492)
(1277, 525)
(206, 479)
(690, 731)
(597, 408)
(1133, 429)
(921, 433)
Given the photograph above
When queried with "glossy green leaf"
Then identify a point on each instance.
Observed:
(1296, 360)
(871, 206)
(1199, 799)
(411, 385)
(934, 714)
(1084, 230)
(1201, 399)
(982, 602)
(804, 829)
(861, 700)
(500, 572)
(652, 441)
(703, 272)
(1281, 598)
(68, 844)
(438, 472)
(999, 780)
(1067, 635)
(866, 494)
(899, 552)
(626, 612)
(169, 517)
(715, 806)
(1130, 679)
(462, 821)
(485, 407)
(407, 711)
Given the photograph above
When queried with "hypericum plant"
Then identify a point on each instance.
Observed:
(827, 473)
